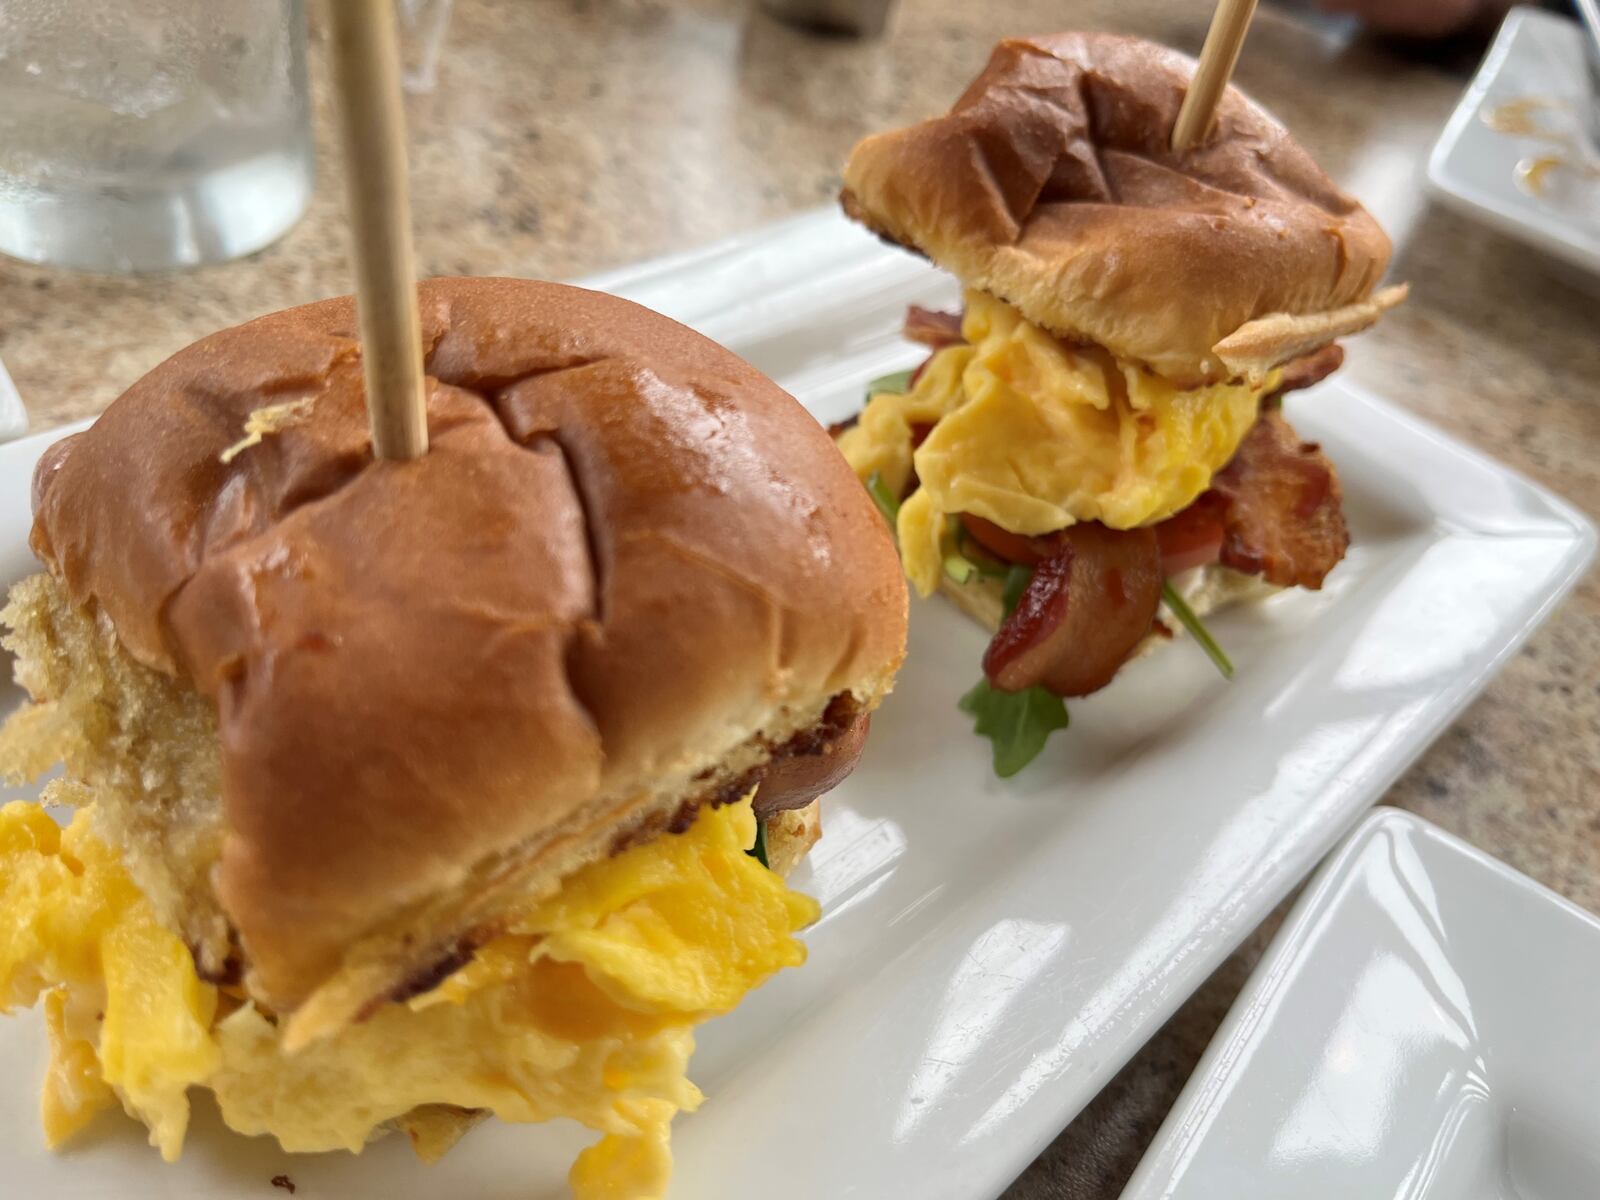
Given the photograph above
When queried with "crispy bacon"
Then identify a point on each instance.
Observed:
(1084, 610)
(1283, 519)
(1311, 368)
(806, 768)
(1190, 539)
(800, 769)
(933, 329)
(1273, 511)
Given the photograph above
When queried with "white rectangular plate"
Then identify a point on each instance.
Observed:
(1473, 168)
(1421, 1028)
(991, 952)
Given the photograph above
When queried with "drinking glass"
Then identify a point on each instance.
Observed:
(145, 134)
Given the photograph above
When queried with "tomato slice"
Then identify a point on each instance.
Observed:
(1007, 546)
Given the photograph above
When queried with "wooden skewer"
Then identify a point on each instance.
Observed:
(1229, 24)
(366, 72)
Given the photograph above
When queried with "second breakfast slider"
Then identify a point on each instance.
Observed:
(1100, 429)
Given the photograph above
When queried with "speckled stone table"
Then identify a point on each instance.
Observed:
(566, 136)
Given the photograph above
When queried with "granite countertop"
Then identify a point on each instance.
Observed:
(566, 136)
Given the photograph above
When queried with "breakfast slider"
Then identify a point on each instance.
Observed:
(1098, 434)
(410, 792)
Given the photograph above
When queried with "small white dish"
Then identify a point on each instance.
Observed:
(990, 952)
(1534, 76)
(1422, 1027)
(13, 417)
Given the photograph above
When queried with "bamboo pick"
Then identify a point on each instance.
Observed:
(1229, 24)
(366, 72)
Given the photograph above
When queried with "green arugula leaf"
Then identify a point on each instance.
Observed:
(759, 850)
(959, 568)
(1179, 607)
(884, 499)
(1016, 583)
(1018, 723)
(898, 382)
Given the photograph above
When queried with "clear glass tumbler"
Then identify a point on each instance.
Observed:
(138, 135)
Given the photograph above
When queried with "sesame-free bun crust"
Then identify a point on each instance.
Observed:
(1052, 184)
(626, 556)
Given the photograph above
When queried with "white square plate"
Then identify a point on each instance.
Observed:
(1537, 56)
(991, 952)
(1422, 1027)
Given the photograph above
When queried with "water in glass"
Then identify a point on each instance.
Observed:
(150, 134)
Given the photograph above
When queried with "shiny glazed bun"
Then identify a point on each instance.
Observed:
(1052, 185)
(629, 568)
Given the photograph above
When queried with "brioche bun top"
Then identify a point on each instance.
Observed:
(1052, 184)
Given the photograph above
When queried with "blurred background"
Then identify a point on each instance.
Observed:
(558, 137)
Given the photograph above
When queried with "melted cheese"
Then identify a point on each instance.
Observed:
(584, 1009)
(1035, 435)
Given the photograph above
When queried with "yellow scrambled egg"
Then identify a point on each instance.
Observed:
(1035, 435)
(584, 1010)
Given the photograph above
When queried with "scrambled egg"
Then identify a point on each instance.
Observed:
(585, 1009)
(1035, 435)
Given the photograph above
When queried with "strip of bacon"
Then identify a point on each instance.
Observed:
(812, 763)
(1274, 511)
(933, 329)
(1084, 610)
(1310, 368)
(1283, 519)
(1190, 539)
(1193, 537)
